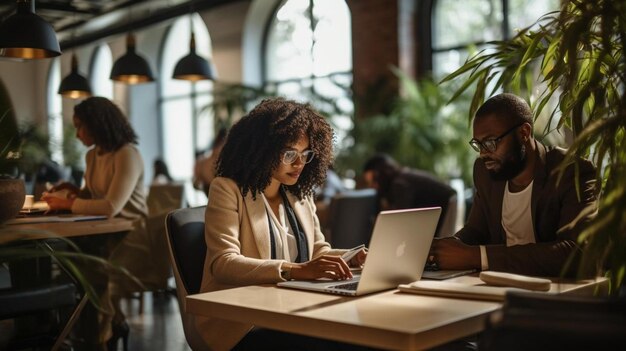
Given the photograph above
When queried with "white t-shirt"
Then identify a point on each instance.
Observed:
(516, 216)
(516, 220)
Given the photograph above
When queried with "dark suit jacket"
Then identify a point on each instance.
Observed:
(554, 207)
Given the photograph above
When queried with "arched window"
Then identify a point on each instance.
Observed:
(458, 25)
(186, 127)
(55, 111)
(308, 56)
(100, 68)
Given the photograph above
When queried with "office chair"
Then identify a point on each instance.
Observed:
(351, 218)
(187, 248)
(532, 321)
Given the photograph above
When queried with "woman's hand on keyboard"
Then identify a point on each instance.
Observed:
(326, 266)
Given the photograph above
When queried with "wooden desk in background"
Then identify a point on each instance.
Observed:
(388, 320)
(47, 230)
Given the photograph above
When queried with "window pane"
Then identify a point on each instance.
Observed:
(332, 35)
(185, 130)
(289, 41)
(55, 112)
(459, 23)
(523, 13)
(100, 71)
(178, 138)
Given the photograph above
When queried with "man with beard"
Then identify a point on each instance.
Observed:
(524, 219)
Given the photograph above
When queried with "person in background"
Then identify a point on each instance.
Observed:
(401, 187)
(525, 218)
(161, 173)
(113, 188)
(325, 193)
(204, 169)
(261, 226)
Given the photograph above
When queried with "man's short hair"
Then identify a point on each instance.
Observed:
(509, 107)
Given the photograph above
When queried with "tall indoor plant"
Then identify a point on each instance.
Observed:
(579, 55)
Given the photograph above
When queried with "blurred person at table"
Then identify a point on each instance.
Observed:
(204, 169)
(261, 226)
(525, 217)
(114, 188)
(399, 187)
(161, 173)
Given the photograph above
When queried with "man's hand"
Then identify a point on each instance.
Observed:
(452, 253)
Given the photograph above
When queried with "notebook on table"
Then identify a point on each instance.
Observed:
(400, 242)
(443, 274)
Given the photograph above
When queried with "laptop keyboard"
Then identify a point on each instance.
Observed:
(346, 286)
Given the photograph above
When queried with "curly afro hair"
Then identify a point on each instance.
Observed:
(254, 145)
(106, 123)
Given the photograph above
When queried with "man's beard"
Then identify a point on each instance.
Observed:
(513, 163)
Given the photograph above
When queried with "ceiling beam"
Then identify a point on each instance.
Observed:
(136, 24)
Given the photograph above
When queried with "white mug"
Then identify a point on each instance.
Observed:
(29, 201)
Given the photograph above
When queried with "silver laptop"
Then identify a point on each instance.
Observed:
(398, 250)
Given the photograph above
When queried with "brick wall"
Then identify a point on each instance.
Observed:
(375, 48)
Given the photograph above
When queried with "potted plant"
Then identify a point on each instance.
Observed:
(578, 55)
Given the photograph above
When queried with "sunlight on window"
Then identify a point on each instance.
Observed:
(311, 61)
(101, 65)
(55, 112)
(185, 129)
(459, 25)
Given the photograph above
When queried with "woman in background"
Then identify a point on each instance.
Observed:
(114, 188)
(261, 225)
(161, 172)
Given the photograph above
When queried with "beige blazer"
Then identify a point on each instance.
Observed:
(239, 252)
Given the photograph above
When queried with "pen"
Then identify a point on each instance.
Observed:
(352, 252)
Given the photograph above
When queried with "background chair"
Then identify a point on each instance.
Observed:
(351, 218)
(34, 300)
(187, 249)
(162, 199)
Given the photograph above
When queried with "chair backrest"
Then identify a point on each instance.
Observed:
(163, 198)
(185, 236)
(185, 239)
(351, 217)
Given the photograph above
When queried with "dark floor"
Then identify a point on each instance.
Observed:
(159, 327)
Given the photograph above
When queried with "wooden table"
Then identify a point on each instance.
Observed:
(389, 320)
(64, 229)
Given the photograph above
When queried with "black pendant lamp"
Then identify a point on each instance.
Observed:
(131, 68)
(75, 86)
(194, 67)
(25, 35)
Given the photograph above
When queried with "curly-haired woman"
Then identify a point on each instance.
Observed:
(261, 225)
(114, 187)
